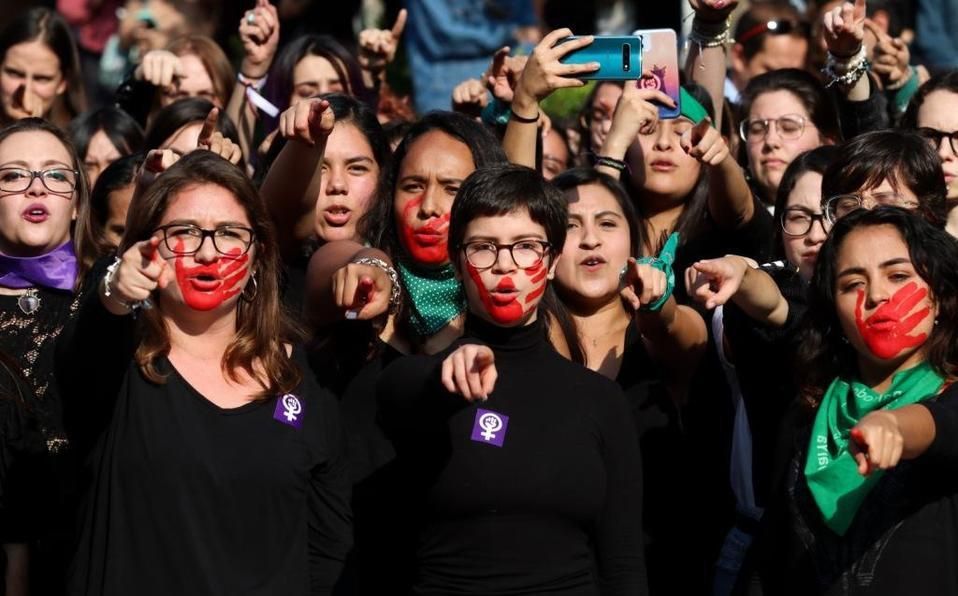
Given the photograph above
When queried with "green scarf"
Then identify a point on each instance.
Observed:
(691, 108)
(830, 469)
(663, 263)
(435, 295)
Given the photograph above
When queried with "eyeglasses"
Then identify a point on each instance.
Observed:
(799, 28)
(798, 221)
(525, 253)
(187, 239)
(934, 137)
(56, 180)
(841, 205)
(789, 126)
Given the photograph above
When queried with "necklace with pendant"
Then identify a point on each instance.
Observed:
(29, 302)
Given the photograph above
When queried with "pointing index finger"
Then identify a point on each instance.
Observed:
(400, 24)
(209, 126)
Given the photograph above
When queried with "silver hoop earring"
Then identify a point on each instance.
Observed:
(250, 297)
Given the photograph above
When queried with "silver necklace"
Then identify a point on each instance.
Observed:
(29, 302)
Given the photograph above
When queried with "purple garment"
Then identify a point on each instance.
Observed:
(56, 270)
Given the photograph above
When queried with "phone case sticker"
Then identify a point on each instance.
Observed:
(660, 62)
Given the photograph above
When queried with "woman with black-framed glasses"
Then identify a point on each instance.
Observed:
(524, 467)
(41, 192)
(190, 406)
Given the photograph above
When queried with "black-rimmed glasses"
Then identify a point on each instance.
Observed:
(56, 180)
(187, 239)
(482, 254)
(934, 137)
(839, 206)
(798, 221)
(789, 126)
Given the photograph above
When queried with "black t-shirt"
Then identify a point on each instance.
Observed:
(904, 538)
(185, 497)
(536, 490)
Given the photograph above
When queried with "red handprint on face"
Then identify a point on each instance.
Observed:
(886, 331)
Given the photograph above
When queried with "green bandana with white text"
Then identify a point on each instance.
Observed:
(830, 470)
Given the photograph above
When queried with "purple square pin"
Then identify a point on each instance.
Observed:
(289, 410)
(490, 427)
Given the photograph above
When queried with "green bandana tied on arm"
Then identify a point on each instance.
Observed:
(663, 263)
(435, 297)
(830, 470)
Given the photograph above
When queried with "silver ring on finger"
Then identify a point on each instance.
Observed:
(250, 17)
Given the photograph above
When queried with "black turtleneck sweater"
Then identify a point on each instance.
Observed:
(536, 490)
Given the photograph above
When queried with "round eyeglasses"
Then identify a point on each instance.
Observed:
(789, 127)
(482, 254)
(798, 221)
(56, 180)
(839, 206)
(187, 239)
(934, 137)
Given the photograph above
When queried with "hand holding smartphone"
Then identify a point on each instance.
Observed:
(619, 57)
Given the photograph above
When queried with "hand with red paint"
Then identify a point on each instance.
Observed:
(308, 122)
(259, 33)
(377, 47)
(362, 291)
(634, 112)
(886, 331)
(642, 284)
(213, 140)
(470, 371)
(141, 270)
(705, 143)
(713, 282)
(845, 29)
(877, 442)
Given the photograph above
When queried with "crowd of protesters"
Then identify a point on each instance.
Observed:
(290, 305)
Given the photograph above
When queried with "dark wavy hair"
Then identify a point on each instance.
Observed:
(182, 112)
(82, 188)
(902, 157)
(817, 160)
(44, 25)
(482, 144)
(262, 324)
(824, 354)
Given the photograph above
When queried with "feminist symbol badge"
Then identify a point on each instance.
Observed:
(490, 427)
(289, 410)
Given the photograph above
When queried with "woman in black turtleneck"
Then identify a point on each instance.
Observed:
(530, 484)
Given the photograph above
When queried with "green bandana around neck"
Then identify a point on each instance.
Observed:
(435, 297)
(830, 470)
(690, 107)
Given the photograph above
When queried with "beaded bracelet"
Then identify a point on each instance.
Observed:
(846, 71)
(611, 162)
(710, 34)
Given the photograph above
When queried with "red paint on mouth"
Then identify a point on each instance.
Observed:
(886, 331)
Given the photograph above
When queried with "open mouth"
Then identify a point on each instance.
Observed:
(337, 215)
(205, 282)
(36, 213)
(593, 262)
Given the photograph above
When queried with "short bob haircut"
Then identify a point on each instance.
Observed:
(946, 81)
(501, 189)
(581, 176)
(262, 325)
(817, 161)
(902, 157)
(279, 86)
(482, 144)
(215, 62)
(123, 131)
(118, 175)
(182, 112)
(824, 354)
(81, 192)
(44, 25)
(809, 91)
